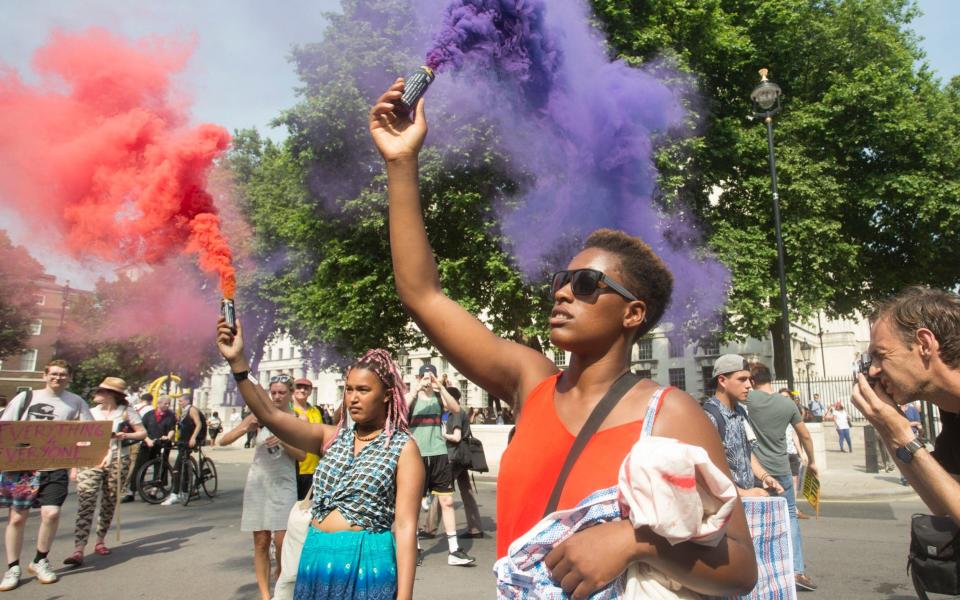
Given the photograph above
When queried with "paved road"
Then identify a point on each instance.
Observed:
(857, 550)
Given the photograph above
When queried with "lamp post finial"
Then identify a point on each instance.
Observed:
(763, 74)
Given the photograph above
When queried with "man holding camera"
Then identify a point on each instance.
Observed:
(915, 352)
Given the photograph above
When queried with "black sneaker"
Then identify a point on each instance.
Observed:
(126, 498)
(460, 559)
(805, 584)
(472, 535)
(424, 535)
(419, 557)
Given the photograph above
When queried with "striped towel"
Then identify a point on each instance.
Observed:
(522, 575)
(769, 522)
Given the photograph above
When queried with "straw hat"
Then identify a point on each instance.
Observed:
(114, 384)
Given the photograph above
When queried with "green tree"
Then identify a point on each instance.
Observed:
(19, 274)
(867, 148)
(317, 203)
(120, 330)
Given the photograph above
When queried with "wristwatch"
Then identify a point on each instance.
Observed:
(905, 453)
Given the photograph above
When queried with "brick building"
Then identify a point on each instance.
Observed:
(26, 370)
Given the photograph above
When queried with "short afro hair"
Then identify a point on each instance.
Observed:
(645, 274)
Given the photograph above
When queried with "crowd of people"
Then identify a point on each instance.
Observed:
(379, 474)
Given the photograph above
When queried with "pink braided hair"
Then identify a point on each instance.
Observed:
(382, 364)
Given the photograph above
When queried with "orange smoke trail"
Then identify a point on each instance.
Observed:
(100, 151)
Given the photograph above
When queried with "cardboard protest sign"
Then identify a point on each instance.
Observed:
(33, 445)
(811, 489)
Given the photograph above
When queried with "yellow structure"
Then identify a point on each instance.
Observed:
(168, 385)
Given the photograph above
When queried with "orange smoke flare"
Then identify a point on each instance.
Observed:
(100, 151)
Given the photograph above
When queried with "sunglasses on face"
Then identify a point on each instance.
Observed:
(586, 282)
(302, 387)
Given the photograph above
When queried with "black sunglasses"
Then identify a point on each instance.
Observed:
(585, 282)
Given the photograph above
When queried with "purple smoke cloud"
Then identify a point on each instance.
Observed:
(582, 125)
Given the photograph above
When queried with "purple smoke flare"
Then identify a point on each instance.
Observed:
(583, 126)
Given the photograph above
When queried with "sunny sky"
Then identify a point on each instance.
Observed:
(239, 74)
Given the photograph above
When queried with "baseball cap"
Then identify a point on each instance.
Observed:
(729, 363)
(303, 381)
(427, 367)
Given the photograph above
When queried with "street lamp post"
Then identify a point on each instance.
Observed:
(806, 350)
(766, 98)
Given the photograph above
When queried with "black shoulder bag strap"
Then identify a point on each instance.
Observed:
(617, 391)
(27, 400)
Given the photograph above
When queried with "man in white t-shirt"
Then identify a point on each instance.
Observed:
(52, 403)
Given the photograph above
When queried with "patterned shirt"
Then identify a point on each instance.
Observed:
(735, 443)
(362, 487)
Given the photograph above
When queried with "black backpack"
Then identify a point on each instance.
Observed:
(934, 551)
(718, 417)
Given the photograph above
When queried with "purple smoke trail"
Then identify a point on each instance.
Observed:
(584, 127)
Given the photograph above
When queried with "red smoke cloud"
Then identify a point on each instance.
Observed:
(101, 151)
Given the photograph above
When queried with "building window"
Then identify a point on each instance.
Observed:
(709, 383)
(678, 379)
(40, 299)
(485, 397)
(645, 349)
(339, 393)
(36, 327)
(464, 392)
(560, 358)
(28, 361)
(676, 346)
(644, 373)
(407, 365)
(444, 365)
(710, 348)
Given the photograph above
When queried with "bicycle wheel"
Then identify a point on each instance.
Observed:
(188, 481)
(208, 477)
(153, 481)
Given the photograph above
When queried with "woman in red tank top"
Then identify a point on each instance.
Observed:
(614, 291)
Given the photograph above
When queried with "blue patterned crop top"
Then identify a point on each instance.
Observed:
(363, 487)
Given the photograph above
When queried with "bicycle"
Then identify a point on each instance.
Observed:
(203, 472)
(156, 476)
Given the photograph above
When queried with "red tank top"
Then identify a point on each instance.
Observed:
(531, 464)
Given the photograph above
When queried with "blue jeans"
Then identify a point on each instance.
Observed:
(787, 482)
(845, 435)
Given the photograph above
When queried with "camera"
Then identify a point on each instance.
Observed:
(863, 366)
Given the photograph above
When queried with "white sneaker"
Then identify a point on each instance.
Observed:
(170, 501)
(460, 559)
(425, 503)
(43, 572)
(11, 579)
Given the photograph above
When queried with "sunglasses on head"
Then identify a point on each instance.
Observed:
(586, 282)
(282, 378)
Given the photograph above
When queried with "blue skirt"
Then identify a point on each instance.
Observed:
(347, 564)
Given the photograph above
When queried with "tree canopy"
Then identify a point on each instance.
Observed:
(19, 273)
(317, 204)
(867, 152)
(867, 148)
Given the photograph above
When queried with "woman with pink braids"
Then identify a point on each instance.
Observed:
(369, 480)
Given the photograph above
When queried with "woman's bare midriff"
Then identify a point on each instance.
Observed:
(335, 522)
